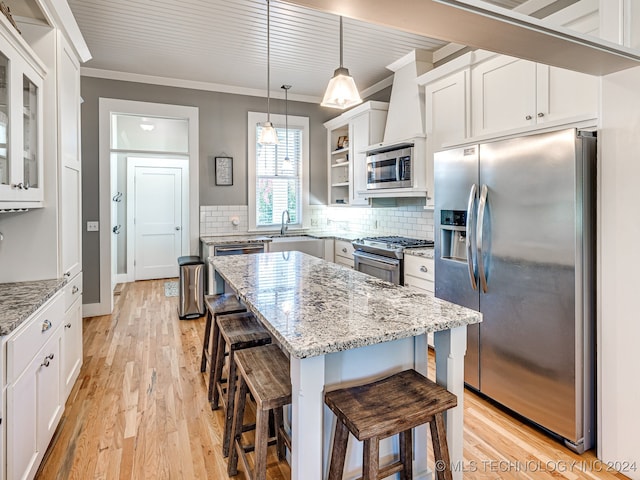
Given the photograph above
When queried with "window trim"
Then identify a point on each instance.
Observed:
(278, 121)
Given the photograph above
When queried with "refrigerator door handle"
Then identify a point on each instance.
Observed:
(480, 223)
(470, 219)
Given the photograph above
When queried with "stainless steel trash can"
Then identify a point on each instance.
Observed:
(191, 287)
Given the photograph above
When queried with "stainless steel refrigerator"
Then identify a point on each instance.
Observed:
(514, 239)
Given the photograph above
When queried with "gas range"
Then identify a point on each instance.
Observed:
(391, 246)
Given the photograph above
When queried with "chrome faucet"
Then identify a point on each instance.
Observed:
(284, 227)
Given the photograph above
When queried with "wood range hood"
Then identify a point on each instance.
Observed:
(473, 24)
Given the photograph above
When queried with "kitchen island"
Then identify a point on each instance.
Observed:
(341, 327)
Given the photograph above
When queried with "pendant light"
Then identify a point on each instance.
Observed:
(268, 135)
(287, 161)
(342, 91)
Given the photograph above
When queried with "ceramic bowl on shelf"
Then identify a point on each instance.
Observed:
(341, 160)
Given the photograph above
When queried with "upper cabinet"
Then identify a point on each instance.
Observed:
(509, 94)
(447, 107)
(21, 113)
(348, 135)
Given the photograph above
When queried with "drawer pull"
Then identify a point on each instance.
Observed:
(68, 325)
(74, 290)
(46, 360)
(423, 269)
(67, 274)
(46, 325)
(344, 250)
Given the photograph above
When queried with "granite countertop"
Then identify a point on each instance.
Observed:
(249, 238)
(228, 239)
(313, 307)
(426, 252)
(19, 300)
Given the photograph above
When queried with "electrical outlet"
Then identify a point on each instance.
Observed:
(93, 226)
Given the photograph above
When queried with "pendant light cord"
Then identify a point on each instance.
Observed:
(268, 61)
(340, 42)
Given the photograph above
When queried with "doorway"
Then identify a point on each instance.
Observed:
(111, 161)
(157, 212)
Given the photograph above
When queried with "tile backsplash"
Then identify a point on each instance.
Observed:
(408, 218)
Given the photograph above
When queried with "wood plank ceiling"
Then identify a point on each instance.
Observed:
(224, 42)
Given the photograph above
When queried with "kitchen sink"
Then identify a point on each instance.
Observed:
(301, 243)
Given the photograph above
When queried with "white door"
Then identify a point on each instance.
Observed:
(158, 200)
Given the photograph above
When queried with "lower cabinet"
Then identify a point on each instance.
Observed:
(419, 273)
(343, 253)
(38, 372)
(72, 335)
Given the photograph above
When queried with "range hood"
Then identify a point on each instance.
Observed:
(405, 118)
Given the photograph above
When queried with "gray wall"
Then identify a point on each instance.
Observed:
(223, 129)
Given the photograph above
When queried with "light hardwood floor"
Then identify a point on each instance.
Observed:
(139, 410)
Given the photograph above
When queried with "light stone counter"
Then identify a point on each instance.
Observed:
(426, 252)
(314, 307)
(343, 327)
(20, 299)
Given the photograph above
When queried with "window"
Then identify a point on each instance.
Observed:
(278, 174)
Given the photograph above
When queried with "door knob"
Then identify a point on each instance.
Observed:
(177, 228)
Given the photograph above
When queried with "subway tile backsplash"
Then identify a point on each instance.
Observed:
(406, 218)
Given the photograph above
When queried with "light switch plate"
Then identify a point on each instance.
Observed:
(93, 226)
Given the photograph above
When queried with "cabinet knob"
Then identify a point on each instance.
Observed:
(528, 117)
(75, 289)
(423, 269)
(45, 363)
(19, 186)
(344, 250)
(540, 115)
(67, 274)
(46, 325)
(68, 325)
(26, 186)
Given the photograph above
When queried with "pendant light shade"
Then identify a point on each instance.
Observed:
(268, 135)
(342, 91)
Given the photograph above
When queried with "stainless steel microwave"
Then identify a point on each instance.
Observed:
(390, 169)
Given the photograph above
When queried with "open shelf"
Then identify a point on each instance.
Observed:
(341, 184)
(340, 150)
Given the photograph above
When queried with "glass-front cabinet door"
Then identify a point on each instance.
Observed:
(5, 164)
(30, 127)
(21, 136)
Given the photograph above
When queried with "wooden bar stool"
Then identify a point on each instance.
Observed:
(237, 332)
(263, 372)
(393, 405)
(222, 304)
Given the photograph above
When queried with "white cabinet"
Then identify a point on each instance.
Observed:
(343, 253)
(447, 118)
(419, 272)
(69, 160)
(359, 127)
(447, 107)
(21, 125)
(72, 335)
(35, 398)
(508, 93)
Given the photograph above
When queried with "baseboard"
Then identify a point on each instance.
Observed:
(124, 278)
(94, 310)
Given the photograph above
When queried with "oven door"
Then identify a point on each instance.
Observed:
(385, 268)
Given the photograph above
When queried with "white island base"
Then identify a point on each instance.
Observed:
(313, 423)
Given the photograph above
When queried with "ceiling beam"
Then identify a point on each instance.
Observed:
(516, 35)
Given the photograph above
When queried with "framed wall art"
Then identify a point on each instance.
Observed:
(224, 170)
